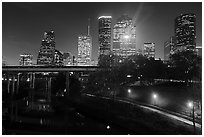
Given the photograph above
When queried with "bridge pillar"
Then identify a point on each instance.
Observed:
(8, 83)
(67, 83)
(49, 88)
(33, 80)
(18, 82)
(13, 84)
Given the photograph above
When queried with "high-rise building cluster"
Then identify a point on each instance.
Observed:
(49, 55)
(118, 39)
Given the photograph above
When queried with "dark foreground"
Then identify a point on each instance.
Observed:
(90, 116)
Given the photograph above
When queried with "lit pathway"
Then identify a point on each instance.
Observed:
(154, 110)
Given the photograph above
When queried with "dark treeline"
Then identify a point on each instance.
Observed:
(185, 65)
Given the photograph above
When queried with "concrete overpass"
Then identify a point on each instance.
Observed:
(49, 68)
(12, 75)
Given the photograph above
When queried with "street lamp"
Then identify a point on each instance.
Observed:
(108, 127)
(190, 104)
(154, 96)
(129, 90)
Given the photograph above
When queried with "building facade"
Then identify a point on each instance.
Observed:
(104, 37)
(149, 50)
(47, 49)
(26, 59)
(185, 32)
(169, 47)
(58, 58)
(124, 37)
(84, 50)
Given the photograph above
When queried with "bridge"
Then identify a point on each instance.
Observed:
(12, 75)
(49, 68)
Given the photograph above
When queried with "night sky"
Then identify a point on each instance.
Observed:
(23, 24)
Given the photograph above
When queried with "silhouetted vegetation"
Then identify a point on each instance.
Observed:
(185, 65)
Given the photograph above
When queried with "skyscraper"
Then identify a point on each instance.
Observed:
(47, 49)
(169, 47)
(84, 49)
(185, 32)
(149, 50)
(124, 37)
(104, 37)
(26, 59)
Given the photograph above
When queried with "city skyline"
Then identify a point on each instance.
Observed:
(24, 23)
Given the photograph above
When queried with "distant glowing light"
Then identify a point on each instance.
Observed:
(28, 80)
(128, 76)
(41, 100)
(126, 36)
(104, 17)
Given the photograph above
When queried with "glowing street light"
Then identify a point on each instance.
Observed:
(108, 127)
(154, 96)
(129, 90)
(190, 104)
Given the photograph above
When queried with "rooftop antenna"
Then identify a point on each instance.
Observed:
(89, 27)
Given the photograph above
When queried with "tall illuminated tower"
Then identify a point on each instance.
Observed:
(84, 49)
(104, 37)
(185, 32)
(47, 49)
(124, 37)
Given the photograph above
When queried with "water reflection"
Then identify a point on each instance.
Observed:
(41, 120)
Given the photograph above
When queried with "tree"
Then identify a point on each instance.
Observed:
(187, 65)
